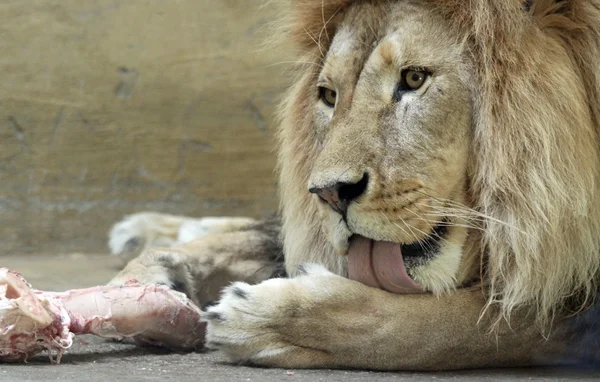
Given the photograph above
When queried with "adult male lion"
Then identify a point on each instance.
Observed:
(440, 146)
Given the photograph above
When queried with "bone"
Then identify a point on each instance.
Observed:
(32, 321)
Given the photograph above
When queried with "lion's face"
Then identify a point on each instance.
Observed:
(392, 118)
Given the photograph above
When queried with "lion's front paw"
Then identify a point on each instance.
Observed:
(277, 322)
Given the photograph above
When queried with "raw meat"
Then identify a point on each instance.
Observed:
(32, 320)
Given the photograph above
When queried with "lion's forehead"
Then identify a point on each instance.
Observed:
(399, 35)
(345, 42)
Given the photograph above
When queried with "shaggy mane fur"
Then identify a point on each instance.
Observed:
(536, 144)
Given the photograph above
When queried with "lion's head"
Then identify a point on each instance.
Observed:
(427, 142)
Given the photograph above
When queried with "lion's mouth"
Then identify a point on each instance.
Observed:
(383, 265)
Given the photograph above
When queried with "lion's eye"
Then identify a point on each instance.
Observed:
(413, 79)
(328, 96)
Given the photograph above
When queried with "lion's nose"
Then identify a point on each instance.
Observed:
(340, 194)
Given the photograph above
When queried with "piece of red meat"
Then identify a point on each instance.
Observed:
(32, 320)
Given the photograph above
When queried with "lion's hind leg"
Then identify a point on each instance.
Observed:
(132, 235)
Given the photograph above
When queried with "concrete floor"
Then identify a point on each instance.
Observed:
(92, 359)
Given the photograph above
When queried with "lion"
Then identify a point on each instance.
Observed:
(439, 181)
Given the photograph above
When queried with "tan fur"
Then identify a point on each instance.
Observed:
(534, 169)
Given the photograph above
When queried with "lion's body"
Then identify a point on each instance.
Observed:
(499, 145)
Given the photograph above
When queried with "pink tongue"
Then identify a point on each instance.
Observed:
(379, 264)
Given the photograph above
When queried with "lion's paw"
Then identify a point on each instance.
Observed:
(265, 324)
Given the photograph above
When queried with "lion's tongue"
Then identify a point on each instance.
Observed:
(379, 264)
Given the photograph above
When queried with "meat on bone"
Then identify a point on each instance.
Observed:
(32, 321)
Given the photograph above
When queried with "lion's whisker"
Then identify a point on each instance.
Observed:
(441, 222)
(417, 240)
(433, 232)
(318, 43)
(471, 213)
(403, 230)
(293, 62)
(325, 23)
(388, 219)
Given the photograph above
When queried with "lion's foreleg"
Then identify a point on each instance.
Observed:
(320, 320)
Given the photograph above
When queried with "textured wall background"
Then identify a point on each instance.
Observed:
(109, 107)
